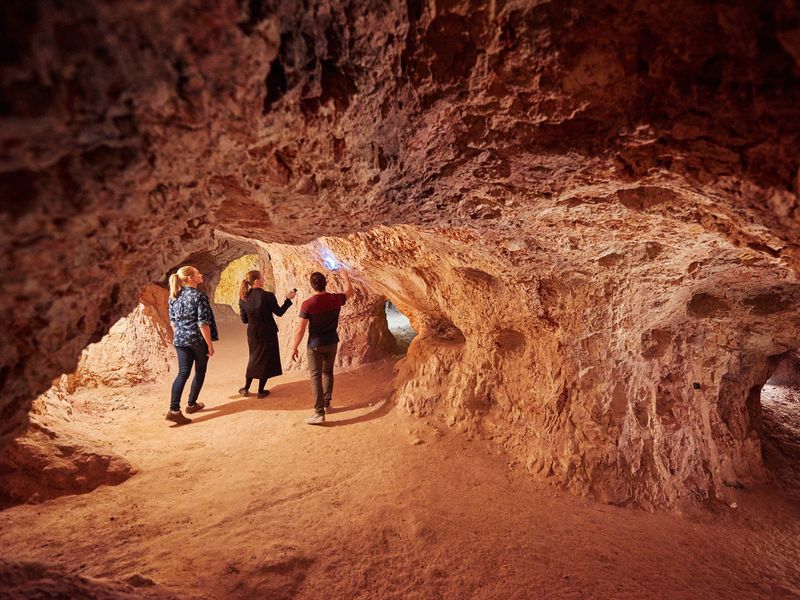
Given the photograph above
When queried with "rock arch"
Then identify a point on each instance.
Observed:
(523, 189)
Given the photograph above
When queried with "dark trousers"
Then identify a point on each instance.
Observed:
(186, 357)
(320, 365)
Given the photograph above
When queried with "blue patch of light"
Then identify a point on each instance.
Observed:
(329, 259)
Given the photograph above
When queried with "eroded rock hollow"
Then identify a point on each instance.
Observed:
(588, 211)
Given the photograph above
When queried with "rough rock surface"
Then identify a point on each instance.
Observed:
(590, 208)
(137, 348)
(227, 290)
(781, 440)
(52, 457)
(39, 581)
(627, 426)
(787, 373)
(363, 330)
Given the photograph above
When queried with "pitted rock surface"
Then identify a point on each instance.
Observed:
(585, 210)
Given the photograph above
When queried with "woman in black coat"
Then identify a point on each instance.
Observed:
(256, 307)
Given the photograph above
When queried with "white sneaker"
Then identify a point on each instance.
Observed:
(328, 408)
(316, 420)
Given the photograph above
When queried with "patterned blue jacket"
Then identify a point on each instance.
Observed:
(187, 313)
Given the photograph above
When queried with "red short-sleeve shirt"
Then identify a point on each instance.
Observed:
(322, 312)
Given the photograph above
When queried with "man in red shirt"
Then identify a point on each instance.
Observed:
(320, 314)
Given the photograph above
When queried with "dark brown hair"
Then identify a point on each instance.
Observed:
(318, 281)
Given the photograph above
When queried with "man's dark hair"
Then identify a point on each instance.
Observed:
(318, 281)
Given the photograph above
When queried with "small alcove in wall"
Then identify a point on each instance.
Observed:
(400, 327)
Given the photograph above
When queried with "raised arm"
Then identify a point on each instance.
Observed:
(348, 286)
(279, 310)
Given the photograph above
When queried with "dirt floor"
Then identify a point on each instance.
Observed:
(250, 502)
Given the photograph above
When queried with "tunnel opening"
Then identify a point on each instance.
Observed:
(226, 293)
(508, 202)
(129, 370)
(400, 327)
(780, 422)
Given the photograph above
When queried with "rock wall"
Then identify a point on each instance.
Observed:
(363, 330)
(640, 390)
(227, 291)
(596, 203)
(137, 349)
(49, 457)
(787, 373)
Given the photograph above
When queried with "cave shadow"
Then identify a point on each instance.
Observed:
(296, 396)
(383, 409)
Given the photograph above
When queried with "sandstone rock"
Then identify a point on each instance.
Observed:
(583, 209)
(787, 373)
(363, 331)
(51, 458)
(227, 290)
(137, 349)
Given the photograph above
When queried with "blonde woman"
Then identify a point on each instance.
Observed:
(195, 332)
(256, 307)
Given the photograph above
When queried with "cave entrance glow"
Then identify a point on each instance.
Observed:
(780, 415)
(227, 290)
(399, 327)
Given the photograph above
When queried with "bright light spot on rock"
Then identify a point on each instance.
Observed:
(329, 259)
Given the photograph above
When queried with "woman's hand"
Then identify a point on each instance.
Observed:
(291, 294)
(210, 350)
(295, 355)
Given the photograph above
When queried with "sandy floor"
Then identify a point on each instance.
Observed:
(249, 502)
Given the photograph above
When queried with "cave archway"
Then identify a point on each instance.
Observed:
(400, 327)
(331, 159)
(590, 215)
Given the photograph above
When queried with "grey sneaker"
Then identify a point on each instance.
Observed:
(178, 418)
(316, 420)
(328, 408)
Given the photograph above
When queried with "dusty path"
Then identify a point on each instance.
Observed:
(249, 502)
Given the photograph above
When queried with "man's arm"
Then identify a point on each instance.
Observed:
(348, 286)
(298, 337)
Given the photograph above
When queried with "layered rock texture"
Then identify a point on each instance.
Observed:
(588, 211)
(137, 348)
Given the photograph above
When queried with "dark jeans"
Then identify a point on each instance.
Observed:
(320, 365)
(187, 356)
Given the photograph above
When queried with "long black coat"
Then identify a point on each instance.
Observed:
(262, 333)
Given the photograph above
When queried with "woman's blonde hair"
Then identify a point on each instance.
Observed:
(178, 280)
(248, 282)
